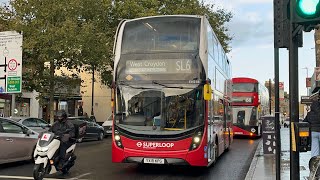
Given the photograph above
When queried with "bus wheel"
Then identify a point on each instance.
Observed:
(216, 150)
(229, 144)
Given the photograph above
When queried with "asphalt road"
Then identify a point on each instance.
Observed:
(94, 162)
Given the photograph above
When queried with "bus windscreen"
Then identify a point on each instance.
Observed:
(159, 109)
(173, 34)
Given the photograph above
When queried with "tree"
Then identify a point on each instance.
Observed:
(79, 35)
(50, 30)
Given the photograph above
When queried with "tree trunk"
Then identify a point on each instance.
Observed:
(51, 91)
(92, 91)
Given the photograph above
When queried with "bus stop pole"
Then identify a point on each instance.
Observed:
(277, 113)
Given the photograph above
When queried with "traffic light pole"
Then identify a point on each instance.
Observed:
(277, 113)
(294, 103)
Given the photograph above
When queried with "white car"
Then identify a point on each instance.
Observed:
(107, 126)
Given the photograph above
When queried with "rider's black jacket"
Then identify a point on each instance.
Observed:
(60, 128)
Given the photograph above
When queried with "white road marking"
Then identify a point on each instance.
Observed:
(25, 177)
(82, 175)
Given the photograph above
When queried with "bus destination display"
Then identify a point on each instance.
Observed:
(167, 66)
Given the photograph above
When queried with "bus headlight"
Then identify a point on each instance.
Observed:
(195, 141)
(117, 139)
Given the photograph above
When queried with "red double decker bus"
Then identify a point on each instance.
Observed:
(171, 93)
(250, 102)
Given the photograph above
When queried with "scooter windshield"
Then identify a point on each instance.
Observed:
(46, 139)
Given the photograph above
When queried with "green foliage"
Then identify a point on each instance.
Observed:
(79, 34)
(50, 32)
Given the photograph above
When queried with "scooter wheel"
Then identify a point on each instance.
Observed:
(65, 170)
(38, 172)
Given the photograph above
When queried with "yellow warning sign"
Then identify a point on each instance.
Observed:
(293, 138)
(129, 77)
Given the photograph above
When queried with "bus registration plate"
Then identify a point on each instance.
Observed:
(153, 161)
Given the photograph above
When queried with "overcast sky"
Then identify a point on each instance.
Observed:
(252, 44)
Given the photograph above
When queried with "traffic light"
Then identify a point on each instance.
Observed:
(305, 12)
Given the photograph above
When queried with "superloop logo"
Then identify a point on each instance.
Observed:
(153, 145)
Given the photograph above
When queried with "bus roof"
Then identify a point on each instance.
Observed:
(244, 80)
(147, 17)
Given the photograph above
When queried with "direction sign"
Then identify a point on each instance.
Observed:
(13, 84)
(306, 100)
(10, 62)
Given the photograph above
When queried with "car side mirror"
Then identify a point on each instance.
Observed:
(28, 132)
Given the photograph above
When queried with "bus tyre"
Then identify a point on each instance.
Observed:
(229, 144)
(216, 150)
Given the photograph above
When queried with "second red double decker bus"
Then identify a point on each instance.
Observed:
(250, 102)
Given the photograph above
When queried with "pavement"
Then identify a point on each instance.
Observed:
(264, 166)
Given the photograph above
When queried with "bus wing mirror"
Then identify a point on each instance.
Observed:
(207, 92)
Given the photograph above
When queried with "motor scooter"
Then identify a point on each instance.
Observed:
(46, 156)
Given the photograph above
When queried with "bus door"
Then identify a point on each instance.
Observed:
(218, 126)
(226, 118)
(210, 145)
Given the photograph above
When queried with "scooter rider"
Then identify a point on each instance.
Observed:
(65, 130)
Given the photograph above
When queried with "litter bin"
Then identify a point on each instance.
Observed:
(268, 134)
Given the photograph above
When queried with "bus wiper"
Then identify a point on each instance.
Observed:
(156, 82)
(173, 87)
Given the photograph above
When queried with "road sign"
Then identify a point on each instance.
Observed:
(12, 65)
(13, 84)
(281, 91)
(306, 100)
(10, 62)
(308, 82)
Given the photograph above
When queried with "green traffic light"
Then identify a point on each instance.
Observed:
(308, 8)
